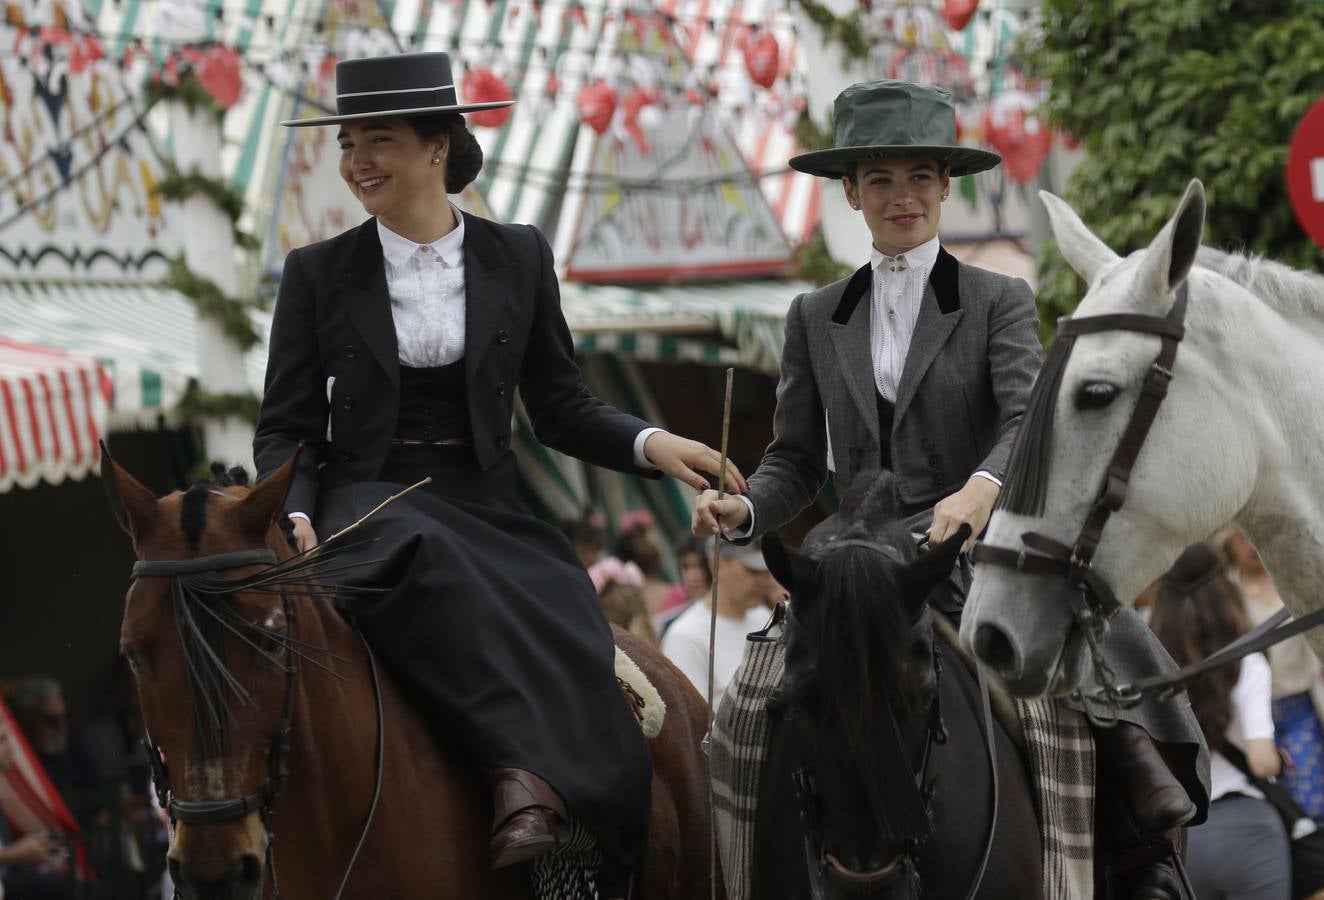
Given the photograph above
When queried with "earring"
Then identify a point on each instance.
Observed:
(944, 196)
(436, 161)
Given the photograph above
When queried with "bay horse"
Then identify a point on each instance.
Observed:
(1228, 353)
(877, 780)
(272, 719)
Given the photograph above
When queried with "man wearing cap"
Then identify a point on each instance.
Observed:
(921, 365)
(741, 608)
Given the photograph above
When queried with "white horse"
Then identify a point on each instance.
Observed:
(1240, 438)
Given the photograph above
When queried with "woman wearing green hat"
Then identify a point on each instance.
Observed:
(922, 365)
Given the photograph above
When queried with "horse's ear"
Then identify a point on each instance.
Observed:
(258, 511)
(1082, 250)
(920, 577)
(1171, 254)
(793, 570)
(133, 504)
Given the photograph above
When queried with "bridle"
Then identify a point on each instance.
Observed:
(823, 869)
(1093, 602)
(263, 800)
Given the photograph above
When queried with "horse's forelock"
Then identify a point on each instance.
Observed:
(862, 632)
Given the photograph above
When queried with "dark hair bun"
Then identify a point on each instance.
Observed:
(465, 159)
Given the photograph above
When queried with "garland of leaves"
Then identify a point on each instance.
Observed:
(187, 90)
(846, 31)
(817, 264)
(178, 186)
(197, 403)
(212, 303)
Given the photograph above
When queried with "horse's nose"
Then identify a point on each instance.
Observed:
(996, 650)
(240, 880)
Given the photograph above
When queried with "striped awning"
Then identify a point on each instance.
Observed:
(52, 414)
(144, 339)
(736, 323)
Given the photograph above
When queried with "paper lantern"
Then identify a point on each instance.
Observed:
(597, 105)
(958, 13)
(1021, 138)
(762, 59)
(217, 69)
(485, 86)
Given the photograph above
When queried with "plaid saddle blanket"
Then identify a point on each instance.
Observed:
(1061, 763)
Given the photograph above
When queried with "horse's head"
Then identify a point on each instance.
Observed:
(858, 688)
(1189, 472)
(211, 666)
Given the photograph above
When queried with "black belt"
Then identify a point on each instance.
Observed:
(433, 442)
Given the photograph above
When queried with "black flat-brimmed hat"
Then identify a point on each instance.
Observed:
(882, 119)
(407, 84)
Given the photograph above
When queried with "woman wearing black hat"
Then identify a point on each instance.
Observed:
(396, 349)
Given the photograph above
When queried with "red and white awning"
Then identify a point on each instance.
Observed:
(53, 408)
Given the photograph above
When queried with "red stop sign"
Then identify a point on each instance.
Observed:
(1305, 172)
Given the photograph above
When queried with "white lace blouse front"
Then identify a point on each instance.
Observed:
(426, 284)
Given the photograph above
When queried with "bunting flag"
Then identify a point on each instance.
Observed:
(28, 800)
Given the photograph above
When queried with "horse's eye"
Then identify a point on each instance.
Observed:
(135, 661)
(1095, 395)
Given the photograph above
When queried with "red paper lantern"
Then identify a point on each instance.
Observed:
(485, 86)
(958, 13)
(597, 104)
(762, 58)
(218, 71)
(1022, 140)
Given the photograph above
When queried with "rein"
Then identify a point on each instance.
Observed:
(214, 812)
(1093, 602)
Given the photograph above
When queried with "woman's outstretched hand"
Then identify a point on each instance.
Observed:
(304, 536)
(684, 459)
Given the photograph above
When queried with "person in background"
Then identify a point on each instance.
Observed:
(1241, 851)
(743, 581)
(39, 707)
(1298, 691)
(587, 533)
(696, 579)
(620, 587)
(637, 542)
(34, 866)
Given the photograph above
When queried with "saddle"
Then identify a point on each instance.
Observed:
(640, 693)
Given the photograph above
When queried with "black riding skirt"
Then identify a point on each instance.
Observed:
(492, 626)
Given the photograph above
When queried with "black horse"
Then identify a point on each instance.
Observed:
(878, 780)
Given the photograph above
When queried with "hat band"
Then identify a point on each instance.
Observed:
(389, 101)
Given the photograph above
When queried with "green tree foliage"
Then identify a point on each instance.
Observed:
(1160, 91)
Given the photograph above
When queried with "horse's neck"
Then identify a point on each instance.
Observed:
(1268, 367)
(333, 758)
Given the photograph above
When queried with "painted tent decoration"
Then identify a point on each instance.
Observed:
(667, 194)
(79, 171)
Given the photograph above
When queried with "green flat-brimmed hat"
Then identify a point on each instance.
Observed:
(880, 119)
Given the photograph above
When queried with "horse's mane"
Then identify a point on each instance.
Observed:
(1290, 290)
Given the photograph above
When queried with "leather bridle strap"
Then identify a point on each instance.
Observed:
(1117, 480)
(202, 565)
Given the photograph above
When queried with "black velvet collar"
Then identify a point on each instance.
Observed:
(943, 279)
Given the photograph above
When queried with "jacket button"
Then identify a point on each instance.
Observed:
(501, 389)
(926, 444)
(854, 452)
(346, 455)
(350, 352)
(934, 461)
(502, 337)
(347, 402)
(501, 441)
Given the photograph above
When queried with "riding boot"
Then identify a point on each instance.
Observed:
(1159, 879)
(1154, 798)
(529, 819)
